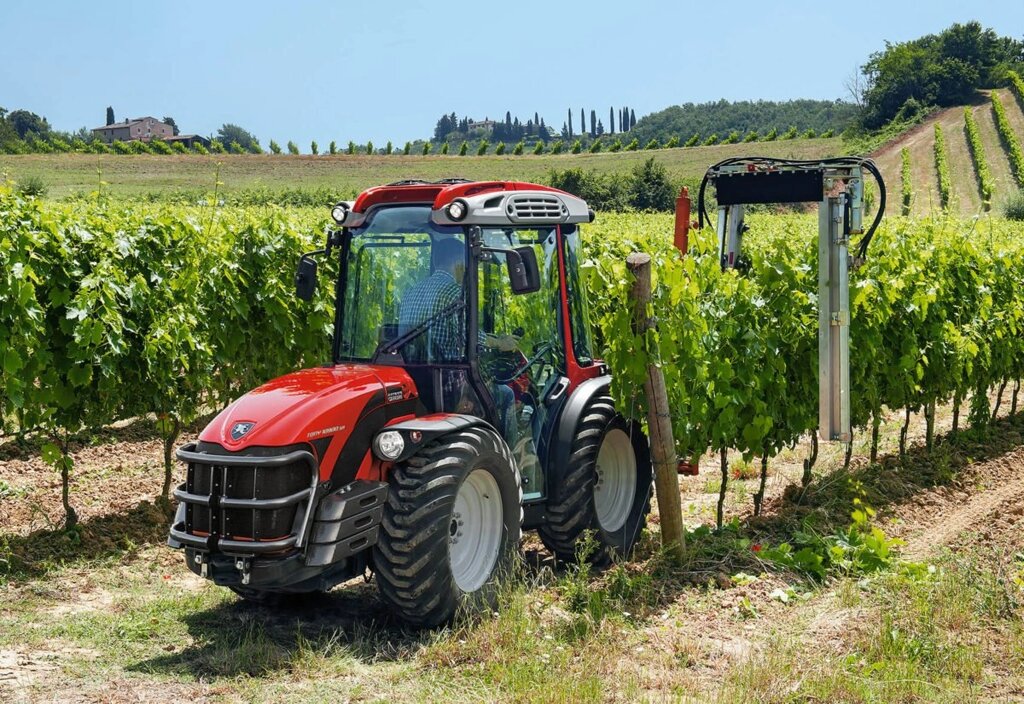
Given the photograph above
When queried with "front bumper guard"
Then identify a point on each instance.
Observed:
(333, 527)
(179, 537)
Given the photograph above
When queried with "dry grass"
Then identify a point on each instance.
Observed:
(65, 174)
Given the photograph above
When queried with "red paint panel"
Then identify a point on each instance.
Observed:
(307, 405)
(382, 195)
(573, 371)
(464, 190)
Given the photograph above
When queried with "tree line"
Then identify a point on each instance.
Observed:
(937, 70)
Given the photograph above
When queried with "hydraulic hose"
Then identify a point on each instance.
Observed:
(865, 240)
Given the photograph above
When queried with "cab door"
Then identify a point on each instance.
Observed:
(520, 348)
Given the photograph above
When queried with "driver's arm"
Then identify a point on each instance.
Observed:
(502, 343)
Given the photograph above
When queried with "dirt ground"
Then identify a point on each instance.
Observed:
(921, 142)
(962, 497)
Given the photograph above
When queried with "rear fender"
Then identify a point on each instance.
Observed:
(418, 432)
(565, 429)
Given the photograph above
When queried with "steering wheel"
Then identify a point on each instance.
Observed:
(538, 355)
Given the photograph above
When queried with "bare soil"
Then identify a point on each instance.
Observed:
(964, 495)
(921, 142)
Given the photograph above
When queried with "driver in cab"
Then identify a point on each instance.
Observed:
(429, 298)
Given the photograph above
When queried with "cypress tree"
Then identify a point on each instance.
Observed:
(632, 119)
(570, 123)
(583, 121)
(593, 123)
(611, 120)
(110, 116)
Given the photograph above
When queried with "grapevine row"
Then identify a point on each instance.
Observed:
(937, 315)
(907, 184)
(942, 168)
(110, 312)
(1017, 87)
(1009, 138)
(977, 150)
(53, 144)
(115, 311)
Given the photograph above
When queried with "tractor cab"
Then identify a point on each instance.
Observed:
(473, 290)
(462, 403)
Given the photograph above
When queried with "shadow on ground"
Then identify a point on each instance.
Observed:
(352, 625)
(240, 638)
(25, 447)
(824, 507)
(111, 535)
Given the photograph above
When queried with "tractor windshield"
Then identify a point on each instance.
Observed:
(403, 288)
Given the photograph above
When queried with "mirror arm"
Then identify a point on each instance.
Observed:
(314, 253)
(333, 240)
(511, 253)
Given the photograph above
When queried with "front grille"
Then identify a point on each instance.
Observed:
(247, 483)
(535, 207)
(244, 504)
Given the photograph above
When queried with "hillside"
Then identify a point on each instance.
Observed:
(920, 141)
(761, 116)
(343, 175)
(140, 175)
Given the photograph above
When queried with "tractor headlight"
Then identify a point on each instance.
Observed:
(389, 445)
(458, 209)
(339, 213)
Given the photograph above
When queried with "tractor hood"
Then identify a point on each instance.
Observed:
(310, 405)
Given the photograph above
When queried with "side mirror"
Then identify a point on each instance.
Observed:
(305, 278)
(523, 274)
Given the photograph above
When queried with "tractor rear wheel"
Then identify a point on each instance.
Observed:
(605, 489)
(451, 527)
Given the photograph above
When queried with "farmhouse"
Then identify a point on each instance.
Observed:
(486, 125)
(141, 128)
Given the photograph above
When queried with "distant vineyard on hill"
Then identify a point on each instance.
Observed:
(761, 116)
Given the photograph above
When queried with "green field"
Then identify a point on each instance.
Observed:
(138, 175)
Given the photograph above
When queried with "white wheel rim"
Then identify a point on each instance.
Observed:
(474, 534)
(615, 486)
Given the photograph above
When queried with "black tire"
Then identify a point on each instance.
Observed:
(571, 509)
(412, 558)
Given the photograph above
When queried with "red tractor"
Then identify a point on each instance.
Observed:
(462, 404)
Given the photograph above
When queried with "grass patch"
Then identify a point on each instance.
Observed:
(915, 634)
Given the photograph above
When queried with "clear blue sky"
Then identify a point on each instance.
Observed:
(387, 70)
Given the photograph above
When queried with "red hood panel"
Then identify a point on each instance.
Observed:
(304, 406)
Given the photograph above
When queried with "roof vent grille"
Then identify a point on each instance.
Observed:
(535, 207)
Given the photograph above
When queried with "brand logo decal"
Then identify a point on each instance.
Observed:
(325, 431)
(238, 430)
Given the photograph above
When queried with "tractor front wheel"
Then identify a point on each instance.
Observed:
(451, 527)
(605, 489)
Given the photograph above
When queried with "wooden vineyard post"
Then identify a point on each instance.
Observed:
(659, 420)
